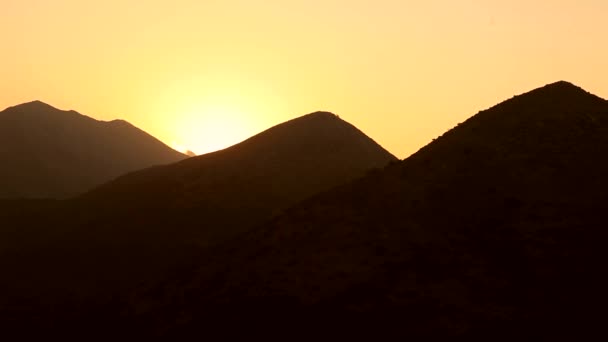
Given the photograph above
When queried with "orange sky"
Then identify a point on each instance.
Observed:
(205, 74)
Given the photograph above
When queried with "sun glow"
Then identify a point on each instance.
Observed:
(205, 128)
(210, 112)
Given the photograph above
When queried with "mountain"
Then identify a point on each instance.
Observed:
(218, 195)
(267, 172)
(495, 230)
(84, 254)
(50, 153)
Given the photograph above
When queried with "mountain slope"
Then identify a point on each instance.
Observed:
(207, 199)
(281, 165)
(83, 254)
(494, 230)
(49, 153)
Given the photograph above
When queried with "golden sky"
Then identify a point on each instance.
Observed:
(204, 74)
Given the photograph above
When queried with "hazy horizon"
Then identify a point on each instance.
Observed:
(205, 75)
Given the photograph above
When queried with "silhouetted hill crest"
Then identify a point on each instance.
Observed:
(553, 96)
(33, 105)
(313, 130)
(38, 110)
(318, 141)
(320, 113)
(556, 107)
(48, 152)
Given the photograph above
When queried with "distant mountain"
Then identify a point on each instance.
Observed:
(145, 226)
(495, 231)
(50, 153)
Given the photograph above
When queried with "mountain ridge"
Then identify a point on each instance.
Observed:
(52, 153)
(285, 140)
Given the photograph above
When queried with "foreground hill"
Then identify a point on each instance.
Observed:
(497, 229)
(50, 153)
(65, 259)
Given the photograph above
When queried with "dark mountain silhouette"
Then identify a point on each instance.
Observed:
(145, 226)
(282, 165)
(50, 153)
(220, 194)
(497, 229)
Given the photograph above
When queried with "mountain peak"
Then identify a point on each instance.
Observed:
(562, 83)
(36, 105)
(560, 99)
(318, 115)
(562, 86)
(561, 92)
(319, 128)
(548, 113)
(322, 113)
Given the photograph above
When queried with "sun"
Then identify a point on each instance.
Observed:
(207, 127)
(212, 111)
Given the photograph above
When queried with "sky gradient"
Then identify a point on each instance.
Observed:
(203, 75)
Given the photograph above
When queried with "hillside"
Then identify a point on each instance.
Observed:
(271, 170)
(495, 230)
(209, 198)
(144, 227)
(50, 153)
